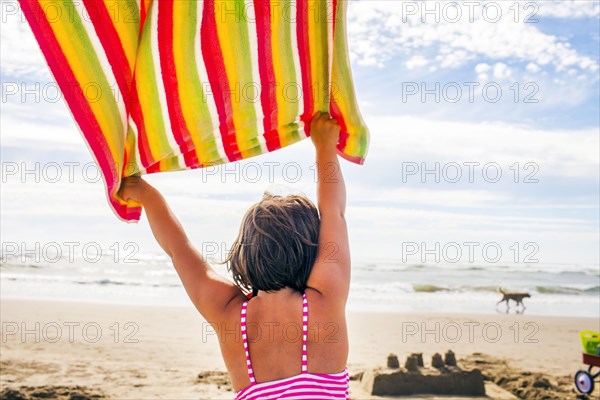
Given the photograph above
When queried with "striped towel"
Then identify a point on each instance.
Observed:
(169, 85)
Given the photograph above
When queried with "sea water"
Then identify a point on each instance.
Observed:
(385, 285)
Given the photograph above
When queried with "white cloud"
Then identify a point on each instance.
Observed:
(482, 67)
(25, 120)
(566, 153)
(451, 198)
(416, 61)
(379, 212)
(502, 71)
(379, 30)
(566, 8)
(21, 55)
(533, 68)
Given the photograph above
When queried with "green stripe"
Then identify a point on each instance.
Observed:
(202, 128)
(171, 164)
(90, 62)
(342, 77)
(132, 167)
(148, 89)
(321, 80)
(291, 106)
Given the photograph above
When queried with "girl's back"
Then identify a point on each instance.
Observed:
(291, 347)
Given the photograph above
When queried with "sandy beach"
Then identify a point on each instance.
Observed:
(134, 352)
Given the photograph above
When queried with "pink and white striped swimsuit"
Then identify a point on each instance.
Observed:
(304, 386)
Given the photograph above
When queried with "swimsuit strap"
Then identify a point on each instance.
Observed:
(304, 332)
(304, 337)
(245, 340)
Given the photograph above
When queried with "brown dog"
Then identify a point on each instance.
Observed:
(517, 297)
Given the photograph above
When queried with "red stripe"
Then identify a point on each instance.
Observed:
(109, 38)
(143, 13)
(180, 130)
(135, 111)
(268, 97)
(111, 42)
(217, 76)
(304, 55)
(191, 159)
(77, 102)
(334, 15)
(337, 114)
(153, 168)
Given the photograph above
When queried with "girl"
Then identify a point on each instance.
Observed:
(289, 338)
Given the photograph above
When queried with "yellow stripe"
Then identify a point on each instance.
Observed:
(126, 20)
(344, 96)
(285, 69)
(228, 42)
(185, 67)
(66, 36)
(148, 85)
(351, 142)
(312, 33)
(278, 72)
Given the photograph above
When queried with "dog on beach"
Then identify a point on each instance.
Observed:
(517, 297)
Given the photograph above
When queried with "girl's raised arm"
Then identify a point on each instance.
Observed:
(331, 272)
(210, 293)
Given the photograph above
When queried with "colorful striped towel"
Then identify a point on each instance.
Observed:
(177, 84)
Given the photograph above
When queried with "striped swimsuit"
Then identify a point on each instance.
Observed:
(304, 386)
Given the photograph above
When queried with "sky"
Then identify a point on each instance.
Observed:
(484, 122)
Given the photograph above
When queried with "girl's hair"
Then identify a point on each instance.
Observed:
(277, 244)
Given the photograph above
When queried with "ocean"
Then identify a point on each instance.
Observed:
(385, 285)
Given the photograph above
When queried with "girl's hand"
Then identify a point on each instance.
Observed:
(133, 188)
(324, 131)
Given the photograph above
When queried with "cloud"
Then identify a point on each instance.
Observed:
(533, 68)
(21, 55)
(416, 61)
(482, 69)
(380, 30)
(382, 209)
(426, 196)
(565, 153)
(28, 122)
(566, 8)
(501, 71)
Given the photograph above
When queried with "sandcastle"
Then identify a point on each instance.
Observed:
(443, 377)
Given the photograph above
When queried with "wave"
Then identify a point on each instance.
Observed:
(551, 269)
(15, 266)
(108, 282)
(559, 289)
(103, 282)
(429, 288)
(567, 290)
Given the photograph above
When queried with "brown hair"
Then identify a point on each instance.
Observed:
(277, 244)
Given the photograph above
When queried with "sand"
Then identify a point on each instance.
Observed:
(133, 352)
